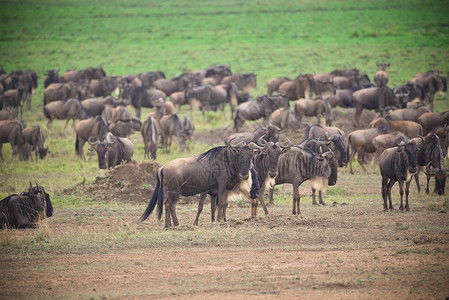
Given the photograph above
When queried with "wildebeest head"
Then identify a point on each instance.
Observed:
(104, 150)
(273, 151)
(411, 151)
(338, 148)
(38, 191)
(245, 155)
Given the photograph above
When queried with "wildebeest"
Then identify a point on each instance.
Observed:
(300, 87)
(432, 83)
(409, 128)
(361, 142)
(171, 125)
(374, 98)
(410, 91)
(243, 81)
(94, 106)
(163, 108)
(283, 118)
(105, 86)
(312, 108)
(179, 98)
(60, 91)
(398, 164)
(343, 97)
(34, 140)
(112, 150)
(11, 132)
(274, 84)
(26, 209)
(124, 128)
(140, 97)
(262, 107)
(95, 128)
(111, 114)
(443, 136)
(335, 136)
(433, 120)
(84, 74)
(7, 115)
(13, 100)
(381, 76)
(150, 131)
(64, 110)
(52, 76)
(220, 169)
(347, 82)
(148, 78)
(298, 165)
(407, 114)
(323, 89)
(177, 84)
(269, 134)
(430, 156)
(385, 141)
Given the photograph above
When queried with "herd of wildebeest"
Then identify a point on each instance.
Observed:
(405, 138)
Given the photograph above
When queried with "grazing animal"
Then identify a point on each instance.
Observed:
(381, 76)
(323, 89)
(283, 118)
(309, 108)
(13, 100)
(148, 78)
(150, 131)
(274, 84)
(124, 128)
(220, 169)
(105, 86)
(410, 91)
(170, 86)
(374, 98)
(171, 125)
(64, 110)
(243, 81)
(443, 136)
(112, 114)
(141, 97)
(269, 134)
(11, 132)
(112, 150)
(430, 156)
(334, 136)
(398, 164)
(52, 76)
(94, 106)
(299, 165)
(27, 209)
(361, 142)
(409, 128)
(262, 107)
(7, 115)
(298, 88)
(433, 120)
(86, 74)
(343, 97)
(60, 91)
(34, 140)
(348, 82)
(179, 98)
(432, 84)
(407, 114)
(94, 128)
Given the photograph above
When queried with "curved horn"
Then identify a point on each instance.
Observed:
(91, 142)
(238, 145)
(253, 146)
(402, 143)
(37, 184)
(288, 146)
(111, 139)
(261, 141)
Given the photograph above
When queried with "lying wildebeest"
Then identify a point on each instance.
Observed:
(343, 97)
(11, 132)
(177, 84)
(124, 128)
(300, 87)
(60, 91)
(298, 165)
(398, 164)
(171, 125)
(332, 135)
(274, 84)
(347, 82)
(105, 86)
(432, 83)
(148, 78)
(430, 156)
(381, 76)
(140, 97)
(312, 107)
(407, 114)
(85, 74)
(64, 110)
(26, 209)
(409, 128)
(283, 118)
(262, 107)
(52, 76)
(320, 183)
(385, 141)
(361, 142)
(112, 150)
(150, 131)
(433, 120)
(34, 140)
(375, 98)
(269, 134)
(220, 169)
(243, 81)
(13, 100)
(95, 128)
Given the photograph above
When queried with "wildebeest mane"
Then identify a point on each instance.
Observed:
(211, 153)
(383, 129)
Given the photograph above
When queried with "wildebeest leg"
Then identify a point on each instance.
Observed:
(1, 155)
(358, 113)
(213, 206)
(296, 199)
(351, 158)
(200, 207)
(171, 198)
(428, 179)
(173, 212)
(320, 194)
(222, 199)
(390, 185)
(314, 196)
(417, 182)
(67, 123)
(262, 202)
(384, 191)
(360, 160)
(407, 191)
(270, 196)
(401, 192)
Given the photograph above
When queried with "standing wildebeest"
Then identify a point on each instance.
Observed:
(430, 154)
(274, 84)
(432, 83)
(51, 76)
(398, 164)
(323, 89)
(269, 134)
(177, 84)
(220, 169)
(11, 132)
(347, 82)
(381, 76)
(385, 141)
(95, 128)
(300, 87)
(262, 107)
(94, 106)
(64, 110)
(407, 114)
(140, 97)
(409, 128)
(112, 151)
(148, 78)
(343, 97)
(172, 125)
(84, 74)
(312, 107)
(375, 98)
(124, 128)
(410, 91)
(34, 140)
(7, 115)
(443, 136)
(299, 165)
(105, 86)
(13, 100)
(150, 131)
(26, 209)
(334, 135)
(60, 91)
(361, 142)
(243, 81)
(433, 120)
(283, 118)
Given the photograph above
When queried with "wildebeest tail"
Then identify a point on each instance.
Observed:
(154, 200)
(347, 149)
(77, 145)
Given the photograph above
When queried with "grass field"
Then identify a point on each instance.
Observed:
(350, 251)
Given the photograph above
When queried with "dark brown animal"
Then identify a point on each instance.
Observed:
(274, 84)
(95, 128)
(60, 91)
(141, 97)
(177, 84)
(243, 81)
(148, 78)
(70, 109)
(11, 132)
(269, 134)
(150, 131)
(385, 141)
(348, 82)
(298, 88)
(407, 114)
(105, 86)
(343, 98)
(312, 108)
(51, 76)
(112, 150)
(85, 74)
(381, 76)
(124, 128)
(283, 118)
(432, 83)
(34, 141)
(433, 120)
(333, 136)
(13, 100)
(171, 125)
(323, 89)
